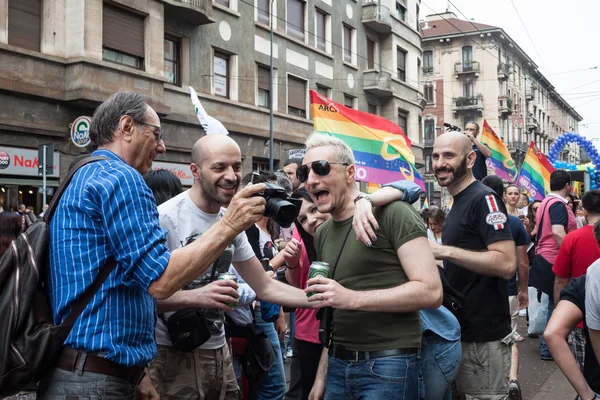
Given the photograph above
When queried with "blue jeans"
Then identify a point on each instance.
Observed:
(396, 377)
(273, 387)
(544, 352)
(292, 329)
(59, 384)
(440, 360)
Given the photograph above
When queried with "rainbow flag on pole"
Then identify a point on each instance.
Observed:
(382, 151)
(500, 161)
(425, 203)
(535, 172)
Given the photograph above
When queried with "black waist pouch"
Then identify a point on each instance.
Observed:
(188, 329)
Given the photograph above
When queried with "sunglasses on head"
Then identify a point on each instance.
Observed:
(320, 167)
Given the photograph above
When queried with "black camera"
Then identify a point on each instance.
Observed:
(280, 207)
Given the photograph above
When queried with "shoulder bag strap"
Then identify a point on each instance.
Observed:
(333, 268)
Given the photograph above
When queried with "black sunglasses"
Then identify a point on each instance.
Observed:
(320, 167)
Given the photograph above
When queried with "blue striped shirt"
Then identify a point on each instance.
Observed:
(108, 210)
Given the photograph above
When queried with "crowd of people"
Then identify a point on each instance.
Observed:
(411, 306)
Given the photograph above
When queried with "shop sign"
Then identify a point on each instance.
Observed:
(182, 171)
(80, 131)
(297, 153)
(24, 162)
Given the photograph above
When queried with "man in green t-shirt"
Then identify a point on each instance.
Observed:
(376, 289)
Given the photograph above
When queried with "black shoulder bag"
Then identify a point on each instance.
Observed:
(541, 276)
(325, 315)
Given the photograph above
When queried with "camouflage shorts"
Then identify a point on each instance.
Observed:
(197, 375)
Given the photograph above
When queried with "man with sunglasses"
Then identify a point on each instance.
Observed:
(108, 213)
(375, 289)
(479, 257)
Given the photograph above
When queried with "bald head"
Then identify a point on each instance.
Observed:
(457, 140)
(208, 146)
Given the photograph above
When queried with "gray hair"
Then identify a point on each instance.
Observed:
(342, 152)
(284, 182)
(105, 120)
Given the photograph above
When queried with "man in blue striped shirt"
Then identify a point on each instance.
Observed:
(108, 211)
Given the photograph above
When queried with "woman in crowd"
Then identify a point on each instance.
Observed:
(531, 216)
(164, 185)
(10, 228)
(436, 218)
(575, 205)
(441, 350)
(512, 195)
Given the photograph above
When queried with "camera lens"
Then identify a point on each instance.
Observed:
(282, 211)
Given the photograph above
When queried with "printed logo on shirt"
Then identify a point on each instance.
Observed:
(496, 218)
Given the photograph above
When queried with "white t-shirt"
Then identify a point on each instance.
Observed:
(592, 296)
(185, 223)
(267, 247)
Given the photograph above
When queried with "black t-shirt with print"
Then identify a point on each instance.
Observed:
(478, 219)
(575, 293)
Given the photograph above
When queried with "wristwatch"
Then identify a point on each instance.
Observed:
(364, 196)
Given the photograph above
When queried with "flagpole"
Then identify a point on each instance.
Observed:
(271, 89)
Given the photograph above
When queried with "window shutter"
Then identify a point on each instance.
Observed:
(123, 31)
(370, 54)
(24, 24)
(263, 78)
(296, 93)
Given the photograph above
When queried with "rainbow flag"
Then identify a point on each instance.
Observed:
(382, 151)
(372, 187)
(500, 162)
(534, 175)
(425, 203)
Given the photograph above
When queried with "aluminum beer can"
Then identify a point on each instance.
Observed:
(231, 277)
(318, 268)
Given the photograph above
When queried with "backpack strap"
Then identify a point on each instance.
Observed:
(65, 182)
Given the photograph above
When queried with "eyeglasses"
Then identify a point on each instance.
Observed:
(320, 167)
(157, 131)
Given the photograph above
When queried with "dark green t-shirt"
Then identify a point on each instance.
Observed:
(371, 268)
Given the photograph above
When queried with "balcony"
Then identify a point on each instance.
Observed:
(530, 91)
(533, 124)
(196, 12)
(503, 71)
(468, 104)
(427, 70)
(466, 68)
(376, 17)
(517, 146)
(504, 105)
(377, 83)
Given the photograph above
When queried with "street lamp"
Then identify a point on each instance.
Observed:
(271, 167)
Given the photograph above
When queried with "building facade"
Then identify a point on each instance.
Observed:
(476, 72)
(61, 58)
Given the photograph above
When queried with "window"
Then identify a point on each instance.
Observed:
(467, 58)
(347, 44)
(348, 101)
(402, 121)
(428, 62)
(295, 19)
(296, 97)
(263, 11)
(468, 89)
(323, 91)
(264, 87)
(428, 93)
(321, 30)
(428, 163)
(400, 10)
(429, 130)
(223, 2)
(401, 64)
(260, 164)
(372, 109)
(370, 54)
(122, 36)
(221, 74)
(172, 62)
(24, 24)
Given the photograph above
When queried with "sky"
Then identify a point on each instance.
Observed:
(563, 36)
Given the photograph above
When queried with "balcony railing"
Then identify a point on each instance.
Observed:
(197, 12)
(468, 104)
(468, 67)
(504, 105)
(376, 16)
(503, 71)
(530, 91)
(428, 70)
(377, 83)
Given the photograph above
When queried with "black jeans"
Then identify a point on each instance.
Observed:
(308, 355)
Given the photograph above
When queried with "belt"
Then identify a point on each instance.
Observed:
(344, 354)
(74, 360)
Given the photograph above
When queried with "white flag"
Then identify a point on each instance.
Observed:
(210, 125)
